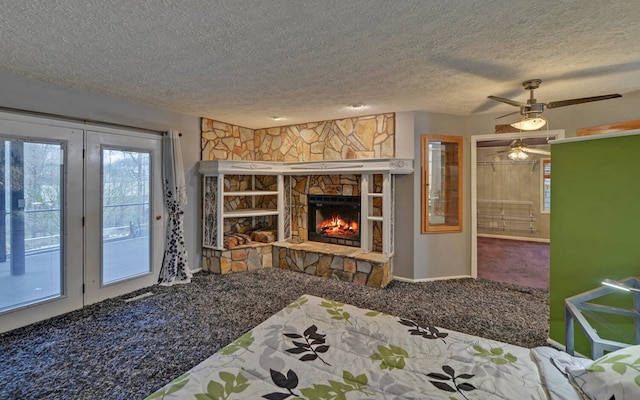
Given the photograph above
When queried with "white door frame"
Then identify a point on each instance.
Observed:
(558, 134)
(22, 127)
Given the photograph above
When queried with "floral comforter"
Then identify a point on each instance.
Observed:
(322, 349)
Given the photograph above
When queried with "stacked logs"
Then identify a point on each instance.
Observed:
(232, 239)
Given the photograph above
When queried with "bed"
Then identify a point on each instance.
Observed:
(322, 349)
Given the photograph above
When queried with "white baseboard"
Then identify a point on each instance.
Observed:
(442, 278)
(193, 271)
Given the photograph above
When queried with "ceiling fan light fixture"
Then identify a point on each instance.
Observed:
(530, 124)
(517, 155)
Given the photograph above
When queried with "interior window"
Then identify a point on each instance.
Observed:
(441, 175)
(546, 185)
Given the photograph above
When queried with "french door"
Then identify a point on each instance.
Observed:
(80, 216)
(123, 220)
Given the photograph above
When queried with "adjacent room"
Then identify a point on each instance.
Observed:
(513, 210)
(319, 199)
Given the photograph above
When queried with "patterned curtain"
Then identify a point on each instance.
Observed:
(174, 265)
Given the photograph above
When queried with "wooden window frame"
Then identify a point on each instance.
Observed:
(543, 176)
(426, 226)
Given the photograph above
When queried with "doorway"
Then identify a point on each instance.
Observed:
(510, 204)
(79, 216)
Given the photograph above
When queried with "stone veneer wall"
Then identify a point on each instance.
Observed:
(345, 139)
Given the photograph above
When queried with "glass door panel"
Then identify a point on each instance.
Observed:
(126, 245)
(31, 271)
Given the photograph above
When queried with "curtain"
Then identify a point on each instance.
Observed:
(174, 264)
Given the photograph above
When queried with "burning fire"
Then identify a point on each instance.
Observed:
(336, 226)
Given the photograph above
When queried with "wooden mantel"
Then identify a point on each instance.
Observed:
(362, 166)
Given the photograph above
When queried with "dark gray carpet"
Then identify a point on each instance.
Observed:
(118, 350)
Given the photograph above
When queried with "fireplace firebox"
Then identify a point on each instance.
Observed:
(334, 219)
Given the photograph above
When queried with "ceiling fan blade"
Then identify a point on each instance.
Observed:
(536, 151)
(563, 103)
(508, 101)
(506, 115)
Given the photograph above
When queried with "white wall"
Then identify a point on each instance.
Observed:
(37, 96)
(405, 222)
(420, 256)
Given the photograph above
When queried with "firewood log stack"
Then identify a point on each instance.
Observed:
(263, 236)
(233, 239)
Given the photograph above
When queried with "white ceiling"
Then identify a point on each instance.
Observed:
(244, 61)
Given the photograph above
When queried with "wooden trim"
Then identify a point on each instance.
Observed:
(424, 182)
(425, 226)
(609, 128)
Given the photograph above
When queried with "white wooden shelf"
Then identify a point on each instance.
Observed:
(215, 212)
(368, 195)
(214, 171)
(251, 193)
(250, 212)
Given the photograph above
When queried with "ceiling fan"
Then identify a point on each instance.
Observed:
(531, 110)
(519, 150)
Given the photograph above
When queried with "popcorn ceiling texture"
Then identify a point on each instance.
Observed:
(243, 61)
(370, 136)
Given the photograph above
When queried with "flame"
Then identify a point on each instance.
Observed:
(337, 226)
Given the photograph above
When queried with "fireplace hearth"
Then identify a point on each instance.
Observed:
(334, 219)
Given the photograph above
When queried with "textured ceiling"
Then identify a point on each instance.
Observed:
(244, 61)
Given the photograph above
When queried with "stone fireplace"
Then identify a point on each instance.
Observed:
(324, 189)
(327, 224)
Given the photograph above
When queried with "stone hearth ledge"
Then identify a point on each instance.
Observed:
(334, 261)
(334, 249)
